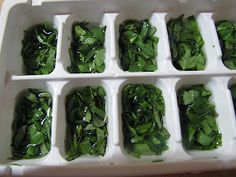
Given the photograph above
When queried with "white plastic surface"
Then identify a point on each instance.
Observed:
(17, 16)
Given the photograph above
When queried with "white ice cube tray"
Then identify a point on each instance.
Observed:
(17, 16)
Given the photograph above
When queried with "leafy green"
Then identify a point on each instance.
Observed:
(86, 122)
(186, 44)
(233, 94)
(138, 46)
(198, 119)
(87, 52)
(32, 125)
(143, 110)
(39, 49)
(227, 35)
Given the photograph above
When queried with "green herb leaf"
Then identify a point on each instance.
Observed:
(37, 138)
(227, 36)
(198, 119)
(87, 52)
(86, 122)
(233, 94)
(190, 96)
(39, 49)
(142, 115)
(32, 125)
(99, 58)
(138, 46)
(186, 44)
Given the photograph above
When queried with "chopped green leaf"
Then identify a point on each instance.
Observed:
(142, 115)
(87, 52)
(88, 116)
(86, 122)
(37, 138)
(99, 58)
(227, 35)
(190, 96)
(198, 119)
(186, 44)
(32, 125)
(138, 46)
(233, 94)
(39, 49)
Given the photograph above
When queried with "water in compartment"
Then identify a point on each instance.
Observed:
(168, 119)
(21, 18)
(156, 20)
(231, 82)
(229, 15)
(68, 88)
(224, 120)
(205, 27)
(12, 93)
(85, 16)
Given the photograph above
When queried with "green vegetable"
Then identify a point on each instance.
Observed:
(198, 119)
(87, 52)
(32, 125)
(86, 123)
(39, 49)
(138, 46)
(186, 44)
(227, 36)
(233, 93)
(143, 110)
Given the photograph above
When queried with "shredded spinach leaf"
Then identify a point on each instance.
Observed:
(227, 35)
(87, 52)
(198, 119)
(86, 119)
(186, 44)
(31, 126)
(138, 46)
(143, 109)
(233, 94)
(39, 49)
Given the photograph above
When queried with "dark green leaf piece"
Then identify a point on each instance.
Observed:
(31, 126)
(39, 49)
(138, 46)
(227, 35)
(233, 94)
(87, 52)
(198, 119)
(186, 44)
(143, 109)
(86, 123)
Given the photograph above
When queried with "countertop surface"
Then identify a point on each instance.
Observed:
(225, 173)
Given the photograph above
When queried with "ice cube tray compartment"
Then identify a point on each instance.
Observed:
(18, 22)
(169, 121)
(69, 87)
(156, 20)
(103, 19)
(18, 16)
(206, 28)
(230, 82)
(12, 93)
(225, 121)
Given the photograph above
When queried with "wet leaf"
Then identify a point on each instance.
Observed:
(142, 116)
(39, 49)
(32, 125)
(86, 122)
(198, 119)
(138, 46)
(186, 44)
(227, 35)
(87, 52)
